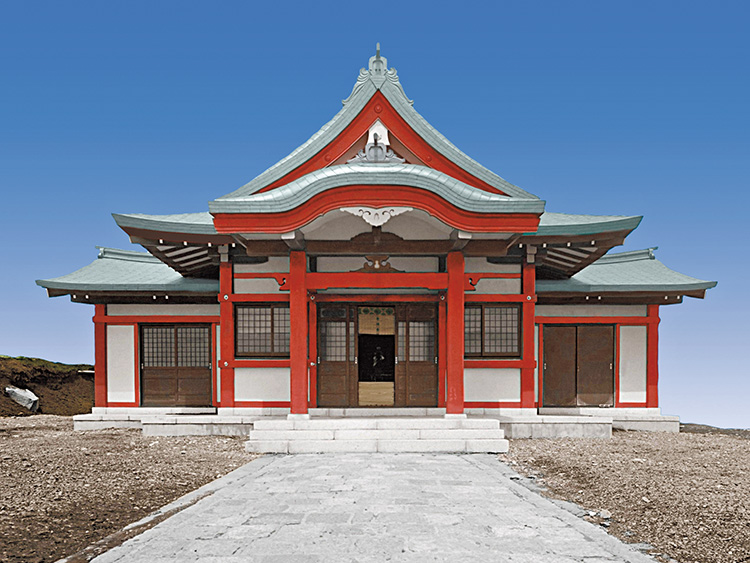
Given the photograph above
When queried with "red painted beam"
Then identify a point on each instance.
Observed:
(173, 319)
(598, 320)
(374, 298)
(363, 280)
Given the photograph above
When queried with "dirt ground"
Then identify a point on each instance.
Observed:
(63, 490)
(61, 388)
(686, 494)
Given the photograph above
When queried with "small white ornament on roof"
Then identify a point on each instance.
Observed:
(376, 217)
(378, 148)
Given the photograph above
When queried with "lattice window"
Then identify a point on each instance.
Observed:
(401, 352)
(501, 330)
(193, 346)
(473, 331)
(262, 331)
(332, 341)
(281, 330)
(492, 330)
(158, 347)
(421, 341)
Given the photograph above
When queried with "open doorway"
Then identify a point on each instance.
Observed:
(377, 362)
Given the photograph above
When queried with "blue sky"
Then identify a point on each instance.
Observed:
(637, 108)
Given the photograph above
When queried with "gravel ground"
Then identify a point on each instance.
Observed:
(63, 490)
(685, 494)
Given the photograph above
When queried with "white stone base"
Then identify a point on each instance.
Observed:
(376, 434)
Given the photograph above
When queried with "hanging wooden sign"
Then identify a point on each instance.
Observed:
(377, 320)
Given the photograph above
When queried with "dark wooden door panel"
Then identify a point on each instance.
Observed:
(335, 355)
(193, 387)
(420, 322)
(422, 386)
(559, 366)
(158, 387)
(176, 368)
(595, 346)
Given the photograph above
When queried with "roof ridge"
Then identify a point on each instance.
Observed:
(629, 256)
(131, 255)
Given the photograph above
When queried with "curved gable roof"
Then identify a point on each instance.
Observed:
(377, 78)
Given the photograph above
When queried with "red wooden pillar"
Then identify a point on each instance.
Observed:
(527, 318)
(226, 311)
(312, 315)
(442, 349)
(298, 328)
(100, 356)
(652, 357)
(454, 403)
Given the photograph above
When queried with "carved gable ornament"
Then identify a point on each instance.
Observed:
(376, 217)
(377, 150)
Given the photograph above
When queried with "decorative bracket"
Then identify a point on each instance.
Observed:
(378, 264)
(376, 217)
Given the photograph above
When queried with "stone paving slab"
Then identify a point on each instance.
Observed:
(372, 507)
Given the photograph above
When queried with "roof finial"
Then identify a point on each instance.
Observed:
(378, 65)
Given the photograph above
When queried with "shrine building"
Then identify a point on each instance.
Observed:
(378, 269)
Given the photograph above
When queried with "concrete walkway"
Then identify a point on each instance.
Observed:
(372, 507)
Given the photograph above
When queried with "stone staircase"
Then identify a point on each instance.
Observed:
(377, 434)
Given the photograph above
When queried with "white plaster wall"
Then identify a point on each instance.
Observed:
(538, 362)
(482, 265)
(632, 351)
(417, 225)
(415, 264)
(262, 285)
(274, 264)
(261, 384)
(490, 385)
(340, 263)
(121, 364)
(591, 311)
(177, 310)
(497, 286)
(335, 225)
(217, 371)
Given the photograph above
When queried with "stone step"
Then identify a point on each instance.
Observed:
(376, 423)
(370, 412)
(376, 445)
(379, 434)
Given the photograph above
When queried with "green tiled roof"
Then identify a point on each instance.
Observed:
(193, 223)
(638, 270)
(567, 224)
(370, 81)
(297, 192)
(124, 270)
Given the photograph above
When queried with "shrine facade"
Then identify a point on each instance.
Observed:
(376, 266)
